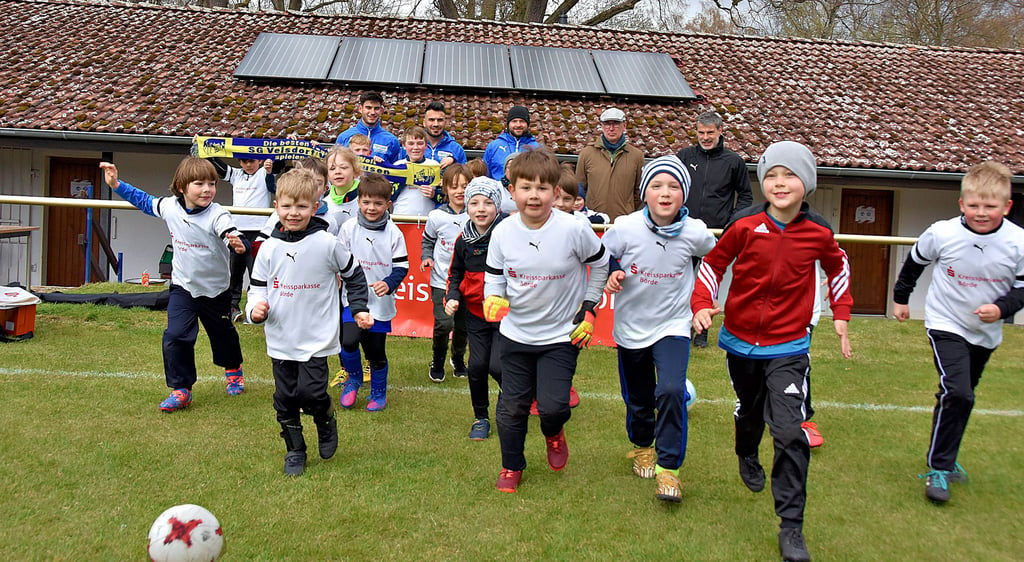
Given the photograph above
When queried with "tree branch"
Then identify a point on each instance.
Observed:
(561, 9)
(624, 6)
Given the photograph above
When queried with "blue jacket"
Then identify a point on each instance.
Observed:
(499, 149)
(383, 143)
(447, 147)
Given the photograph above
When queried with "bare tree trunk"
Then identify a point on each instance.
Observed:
(535, 10)
(488, 9)
(447, 9)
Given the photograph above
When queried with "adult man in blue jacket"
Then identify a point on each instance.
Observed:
(440, 144)
(515, 138)
(384, 145)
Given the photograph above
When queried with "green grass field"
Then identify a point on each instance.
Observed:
(88, 461)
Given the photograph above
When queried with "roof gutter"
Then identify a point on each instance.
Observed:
(165, 140)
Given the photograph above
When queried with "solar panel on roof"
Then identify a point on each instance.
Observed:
(469, 65)
(641, 74)
(554, 70)
(388, 61)
(292, 57)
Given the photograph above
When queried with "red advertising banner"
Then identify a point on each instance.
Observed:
(416, 313)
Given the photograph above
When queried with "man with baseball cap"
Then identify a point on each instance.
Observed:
(609, 169)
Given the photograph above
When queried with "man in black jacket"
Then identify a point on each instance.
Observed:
(720, 184)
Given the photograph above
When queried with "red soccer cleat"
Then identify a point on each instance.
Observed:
(574, 398)
(508, 480)
(558, 451)
(814, 438)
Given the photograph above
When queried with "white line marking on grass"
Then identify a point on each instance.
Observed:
(462, 390)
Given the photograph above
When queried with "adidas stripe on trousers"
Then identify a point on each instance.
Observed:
(772, 391)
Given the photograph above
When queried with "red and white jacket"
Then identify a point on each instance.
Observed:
(771, 296)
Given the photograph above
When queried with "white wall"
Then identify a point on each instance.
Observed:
(16, 179)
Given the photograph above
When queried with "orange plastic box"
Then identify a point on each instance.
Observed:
(18, 323)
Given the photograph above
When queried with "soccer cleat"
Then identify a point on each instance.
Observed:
(179, 399)
(327, 436)
(701, 339)
(349, 393)
(236, 314)
(936, 485)
(957, 475)
(338, 378)
(376, 402)
(458, 368)
(752, 473)
(508, 480)
(792, 546)
(643, 461)
(436, 375)
(574, 397)
(668, 487)
(236, 382)
(533, 409)
(480, 430)
(814, 438)
(558, 451)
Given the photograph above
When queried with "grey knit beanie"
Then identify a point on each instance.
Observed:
(792, 155)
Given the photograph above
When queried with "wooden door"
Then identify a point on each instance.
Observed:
(65, 226)
(867, 211)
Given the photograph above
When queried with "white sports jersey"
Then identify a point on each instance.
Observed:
(299, 281)
(543, 274)
(444, 228)
(655, 297)
(341, 214)
(410, 201)
(201, 253)
(971, 269)
(377, 252)
(249, 191)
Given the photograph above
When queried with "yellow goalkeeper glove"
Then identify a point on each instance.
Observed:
(584, 321)
(495, 308)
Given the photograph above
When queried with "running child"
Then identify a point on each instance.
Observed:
(204, 236)
(466, 295)
(379, 247)
(252, 185)
(772, 248)
(294, 290)
(444, 224)
(981, 281)
(651, 254)
(537, 285)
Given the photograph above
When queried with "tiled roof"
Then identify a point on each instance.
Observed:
(129, 68)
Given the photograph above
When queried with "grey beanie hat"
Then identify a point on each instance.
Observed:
(792, 155)
(670, 165)
(483, 185)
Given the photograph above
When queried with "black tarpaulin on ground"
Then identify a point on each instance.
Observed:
(152, 301)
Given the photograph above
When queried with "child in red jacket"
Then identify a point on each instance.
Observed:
(466, 290)
(772, 249)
